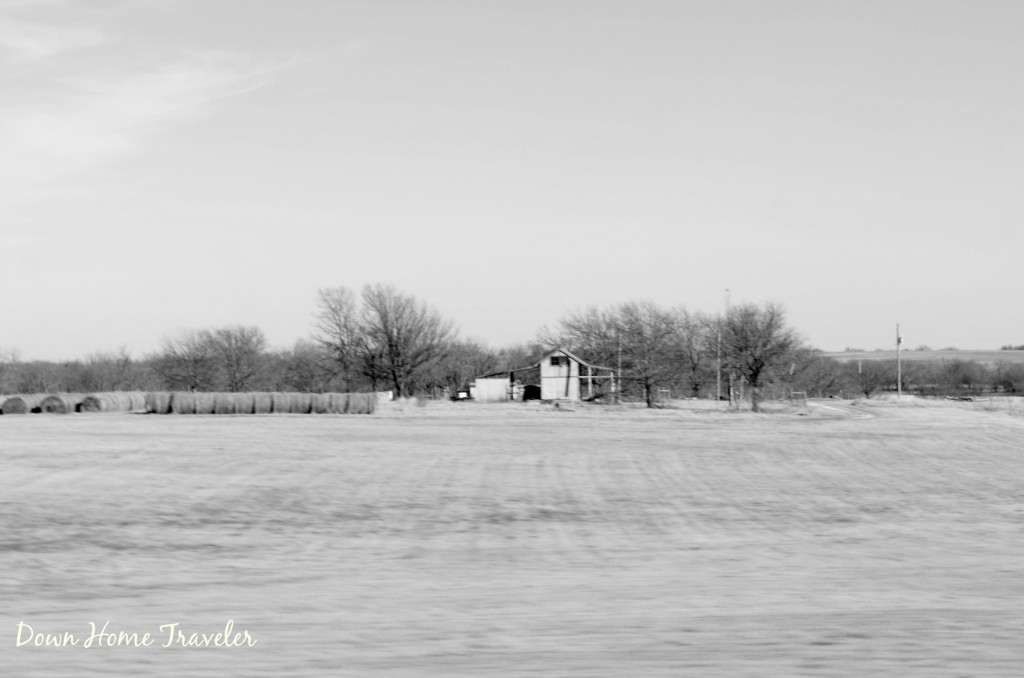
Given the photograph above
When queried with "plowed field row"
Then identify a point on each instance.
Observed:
(462, 540)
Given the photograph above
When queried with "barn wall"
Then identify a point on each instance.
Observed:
(553, 380)
(490, 390)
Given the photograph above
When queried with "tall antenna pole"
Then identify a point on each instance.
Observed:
(899, 365)
(618, 346)
(720, 338)
(718, 379)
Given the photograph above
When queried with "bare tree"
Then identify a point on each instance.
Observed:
(1008, 377)
(9, 358)
(648, 342)
(518, 356)
(638, 335)
(463, 361)
(813, 373)
(337, 330)
(963, 376)
(238, 353)
(696, 347)
(402, 338)
(37, 377)
(868, 376)
(755, 340)
(593, 333)
(187, 361)
(305, 368)
(108, 371)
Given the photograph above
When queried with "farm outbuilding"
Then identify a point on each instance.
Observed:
(562, 375)
(565, 376)
(491, 389)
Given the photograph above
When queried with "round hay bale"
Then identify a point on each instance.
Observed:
(158, 402)
(320, 403)
(60, 403)
(120, 402)
(284, 403)
(302, 403)
(182, 402)
(136, 401)
(338, 403)
(245, 403)
(114, 401)
(281, 403)
(102, 402)
(223, 403)
(21, 403)
(205, 403)
(91, 403)
(361, 403)
(263, 403)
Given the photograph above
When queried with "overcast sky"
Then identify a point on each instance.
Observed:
(172, 165)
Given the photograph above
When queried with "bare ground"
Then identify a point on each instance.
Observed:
(471, 540)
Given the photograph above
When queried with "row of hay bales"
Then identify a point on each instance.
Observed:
(163, 402)
(65, 403)
(180, 402)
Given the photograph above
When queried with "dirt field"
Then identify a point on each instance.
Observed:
(460, 539)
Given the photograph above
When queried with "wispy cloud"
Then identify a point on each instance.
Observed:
(64, 114)
(24, 41)
(96, 119)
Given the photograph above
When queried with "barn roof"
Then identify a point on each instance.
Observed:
(572, 355)
(535, 365)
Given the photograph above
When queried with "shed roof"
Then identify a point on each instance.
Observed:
(569, 353)
(533, 366)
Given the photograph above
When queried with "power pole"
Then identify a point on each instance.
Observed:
(617, 377)
(899, 365)
(720, 350)
(619, 365)
(718, 381)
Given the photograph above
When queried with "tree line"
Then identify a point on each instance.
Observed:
(385, 339)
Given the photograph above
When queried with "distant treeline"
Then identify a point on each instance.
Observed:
(309, 368)
(236, 359)
(385, 340)
(924, 377)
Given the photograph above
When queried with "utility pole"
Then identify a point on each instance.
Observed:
(617, 380)
(718, 382)
(718, 377)
(720, 351)
(619, 365)
(899, 365)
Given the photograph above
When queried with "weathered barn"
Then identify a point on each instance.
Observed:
(565, 376)
(562, 376)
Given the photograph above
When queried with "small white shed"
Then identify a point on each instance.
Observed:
(490, 389)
